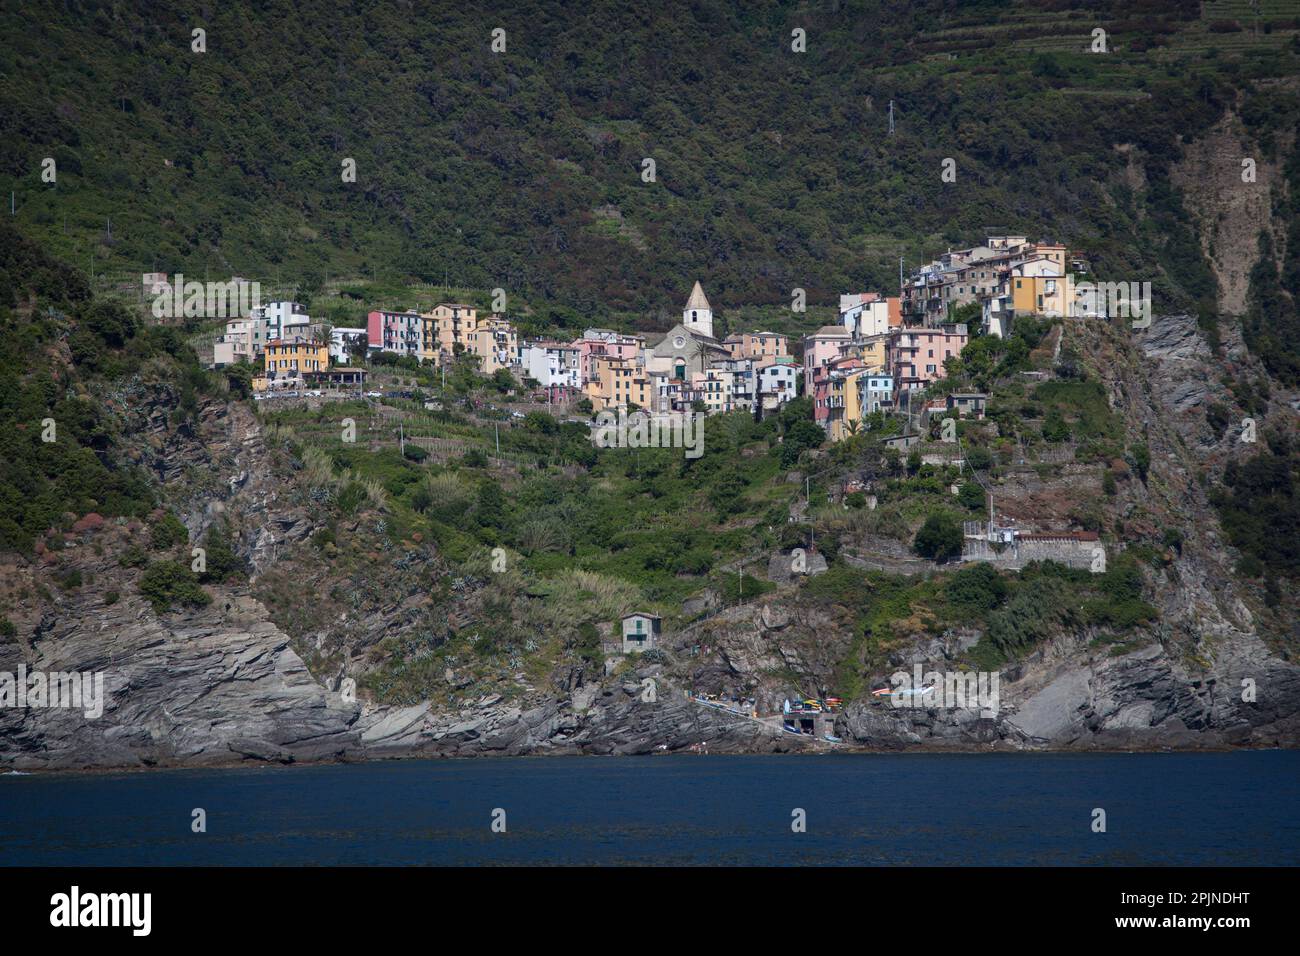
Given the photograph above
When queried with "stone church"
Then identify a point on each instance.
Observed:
(689, 346)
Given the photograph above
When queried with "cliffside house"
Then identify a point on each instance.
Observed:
(640, 631)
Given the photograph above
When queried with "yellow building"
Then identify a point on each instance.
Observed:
(1040, 295)
(844, 402)
(496, 343)
(618, 383)
(286, 362)
(762, 347)
(872, 351)
(445, 327)
(714, 388)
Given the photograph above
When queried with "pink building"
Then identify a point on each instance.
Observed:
(400, 332)
(917, 354)
(823, 405)
(824, 346)
(604, 343)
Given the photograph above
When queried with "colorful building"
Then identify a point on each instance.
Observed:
(917, 355)
(824, 346)
(285, 363)
(759, 346)
(399, 332)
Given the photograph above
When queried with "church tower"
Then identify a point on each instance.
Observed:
(698, 316)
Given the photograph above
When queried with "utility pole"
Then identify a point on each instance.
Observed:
(891, 117)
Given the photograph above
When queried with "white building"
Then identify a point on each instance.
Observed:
(864, 314)
(339, 337)
(278, 320)
(236, 345)
(552, 364)
(875, 392)
(640, 632)
(698, 314)
(776, 383)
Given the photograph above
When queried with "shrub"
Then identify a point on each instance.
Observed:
(166, 583)
(978, 457)
(977, 588)
(167, 532)
(351, 497)
(940, 538)
(1032, 614)
(971, 495)
(221, 563)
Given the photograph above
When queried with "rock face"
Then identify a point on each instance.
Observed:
(1140, 700)
(224, 684)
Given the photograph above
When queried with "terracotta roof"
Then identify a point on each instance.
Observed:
(1050, 535)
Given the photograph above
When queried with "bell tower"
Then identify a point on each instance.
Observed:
(698, 315)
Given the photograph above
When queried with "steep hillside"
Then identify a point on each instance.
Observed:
(450, 577)
(522, 169)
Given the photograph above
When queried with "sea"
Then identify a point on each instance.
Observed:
(1114, 809)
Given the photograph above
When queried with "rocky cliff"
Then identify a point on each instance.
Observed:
(239, 680)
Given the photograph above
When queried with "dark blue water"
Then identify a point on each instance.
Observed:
(1224, 809)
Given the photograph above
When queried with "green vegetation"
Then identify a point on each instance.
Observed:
(166, 584)
(1260, 509)
(940, 537)
(1016, 611)
(54, 437)
(773, 168)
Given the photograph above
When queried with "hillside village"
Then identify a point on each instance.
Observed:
(887, 360)
(885, 352)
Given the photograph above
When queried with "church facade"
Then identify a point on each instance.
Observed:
(690, 346)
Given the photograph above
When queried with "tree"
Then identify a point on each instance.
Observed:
(356, 346)
(940, 538)
(799, 437)
(502, 380)
(971, 495)
(491, 506)
(977, 587)
(978, 457)
(239, 379)
(1054, 427)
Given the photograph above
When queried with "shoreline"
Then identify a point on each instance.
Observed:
(840, 751)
